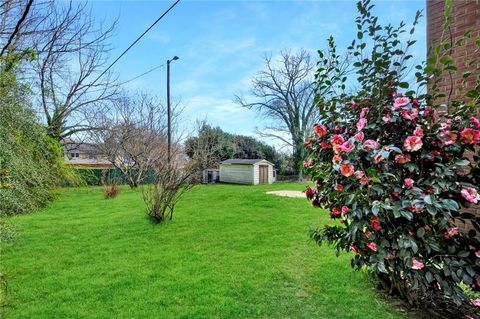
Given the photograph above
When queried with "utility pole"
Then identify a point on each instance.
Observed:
(169, 112)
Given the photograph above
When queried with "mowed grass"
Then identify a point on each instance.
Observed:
(231, 251)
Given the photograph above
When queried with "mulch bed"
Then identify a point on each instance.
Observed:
(434, 306)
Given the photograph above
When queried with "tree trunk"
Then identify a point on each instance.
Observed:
(298, 157)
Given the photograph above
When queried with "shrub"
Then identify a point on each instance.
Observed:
(31, 163)
(111, 190)
(162, 196)
(110, 183)
(394, 174)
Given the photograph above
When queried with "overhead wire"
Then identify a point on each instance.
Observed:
(135, 42)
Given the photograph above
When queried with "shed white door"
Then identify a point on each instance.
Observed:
(263, 172)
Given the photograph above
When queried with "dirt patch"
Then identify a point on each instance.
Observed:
(296, 194)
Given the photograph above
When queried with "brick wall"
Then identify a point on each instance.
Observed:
(465, 16)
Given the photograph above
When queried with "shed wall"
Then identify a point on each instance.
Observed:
(239, 174)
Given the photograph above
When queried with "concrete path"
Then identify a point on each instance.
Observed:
(297, 194)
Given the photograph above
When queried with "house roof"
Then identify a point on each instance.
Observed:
(239, 161)
(80, 148)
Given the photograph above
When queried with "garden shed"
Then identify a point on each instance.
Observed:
(247, 171)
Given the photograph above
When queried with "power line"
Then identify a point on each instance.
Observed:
(134, 78)
(143, 74)
(135, 42)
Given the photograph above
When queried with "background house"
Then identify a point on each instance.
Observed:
(83, 154)
(247, 171)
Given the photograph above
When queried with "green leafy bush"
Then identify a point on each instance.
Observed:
(31, 163)
(395, 174)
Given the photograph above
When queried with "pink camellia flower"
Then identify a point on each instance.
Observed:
(446, 125)
(364, 112)
(414, 209)
(347, 147)
(451, 231)
(370, 145)
(378, 158)
(475, 302)
(368, 234)
(346, 170)
(335, 212)
(309, 192)
(320, 130)
(354, 249)
(375, 223)
(361, 124)
(345, 209)
(308, 163)
(469, 136)
(417, 265)
(359, 174)
(475, 122)
(337, 159)
(364, 180)
(372, 246)
(337, 129)
(477, 253)
(470, 194)
(418, 131)
(447, 137)
(386, 119)
(409, 182)
(359, 136)
(337, 139)
(324, 145)
(339, 187)
(410, 115)
(402, 158)
(337, 148)
(413, 143)
(399, 102)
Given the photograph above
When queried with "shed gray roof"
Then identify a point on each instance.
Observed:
(243, 161)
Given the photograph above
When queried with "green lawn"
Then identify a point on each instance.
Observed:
(230, 252)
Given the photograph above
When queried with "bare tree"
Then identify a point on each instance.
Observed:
(7, 8)
(131, 135)
(70, 50)
(284, 93)
(71, 56)
(285, 90)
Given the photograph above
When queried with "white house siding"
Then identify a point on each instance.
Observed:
(256, 174)
(239, 174)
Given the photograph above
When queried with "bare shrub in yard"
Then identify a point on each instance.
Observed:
(171, 182)
(111, 187)
(173, 177)
(111, 190)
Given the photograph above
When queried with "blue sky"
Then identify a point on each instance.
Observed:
(221, 45)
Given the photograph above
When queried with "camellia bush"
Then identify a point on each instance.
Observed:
(396, 174)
